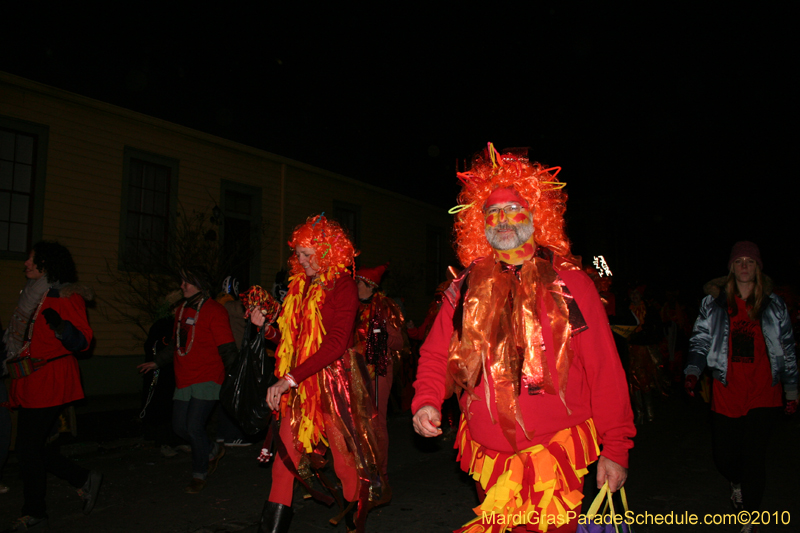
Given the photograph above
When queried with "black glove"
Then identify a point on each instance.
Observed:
(52, 317)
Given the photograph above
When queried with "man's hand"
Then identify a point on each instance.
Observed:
(689, 384)
(611, 471)
(427, 421)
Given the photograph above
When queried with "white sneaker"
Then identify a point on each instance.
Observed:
(736, 497)
(238, 442)
(184, 448)
(3, 489)
(167, 451)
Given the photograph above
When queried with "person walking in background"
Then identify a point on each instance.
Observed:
(378, 337)
(228, 431)
(158, 386)
(52, 316)
(201, 349)
(645, 377)
(744, 335)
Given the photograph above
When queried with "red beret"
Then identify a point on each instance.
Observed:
(372, 276)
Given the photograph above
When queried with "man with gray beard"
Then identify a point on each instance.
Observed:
(523, 339)
(508, 234)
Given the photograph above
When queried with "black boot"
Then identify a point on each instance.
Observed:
(275, 518)
(350, 518)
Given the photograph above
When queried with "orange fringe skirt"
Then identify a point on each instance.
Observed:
(540, 487)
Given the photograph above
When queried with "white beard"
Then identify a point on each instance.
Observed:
(508, 240)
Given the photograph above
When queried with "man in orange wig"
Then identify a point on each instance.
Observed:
(523, 336)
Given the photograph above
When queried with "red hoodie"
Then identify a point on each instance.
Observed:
(596, 386)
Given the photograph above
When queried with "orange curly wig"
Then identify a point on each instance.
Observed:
(535, 184)
(332, 246)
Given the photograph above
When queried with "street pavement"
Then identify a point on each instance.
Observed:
(671, 471)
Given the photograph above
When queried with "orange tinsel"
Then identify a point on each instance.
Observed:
(502, 335)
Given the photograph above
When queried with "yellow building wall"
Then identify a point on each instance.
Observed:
(82, 203)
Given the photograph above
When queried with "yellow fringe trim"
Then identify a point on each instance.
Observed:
(302, 331)
(506, 502)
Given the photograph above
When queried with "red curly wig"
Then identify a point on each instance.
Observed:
(534, 183)
(332, 246)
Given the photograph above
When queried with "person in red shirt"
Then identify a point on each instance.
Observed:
(743, 333)
(202, 347)
(56, 329)
(323, 396)
(523, 334)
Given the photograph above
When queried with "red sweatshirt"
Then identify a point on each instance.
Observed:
(202, 363)
(596, 386)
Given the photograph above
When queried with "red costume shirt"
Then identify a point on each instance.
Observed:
(59, 381)
(749, 372)
(596, 386)
(202, 362)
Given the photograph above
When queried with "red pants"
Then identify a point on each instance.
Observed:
(283, 479)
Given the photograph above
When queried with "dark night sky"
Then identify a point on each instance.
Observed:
(672, 124)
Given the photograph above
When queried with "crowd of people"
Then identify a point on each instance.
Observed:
(530, 359)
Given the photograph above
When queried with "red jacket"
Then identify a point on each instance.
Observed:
(596, 386)
(57, 382)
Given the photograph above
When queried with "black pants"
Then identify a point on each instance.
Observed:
(36, 458)
(740, 450)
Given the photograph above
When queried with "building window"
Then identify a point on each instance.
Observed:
(349, 217)
(241, 231)
(148, 207)
(23, 148)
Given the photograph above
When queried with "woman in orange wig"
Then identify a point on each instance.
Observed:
(321, 397)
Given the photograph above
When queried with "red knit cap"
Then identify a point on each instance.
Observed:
(505, 194)
(745, 249)
(372, 276)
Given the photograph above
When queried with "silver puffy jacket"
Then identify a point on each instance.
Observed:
(709, 343)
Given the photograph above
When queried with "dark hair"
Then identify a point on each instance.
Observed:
(55, 261)
(198, 276)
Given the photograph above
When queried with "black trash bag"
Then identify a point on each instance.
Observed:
(244, 391)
